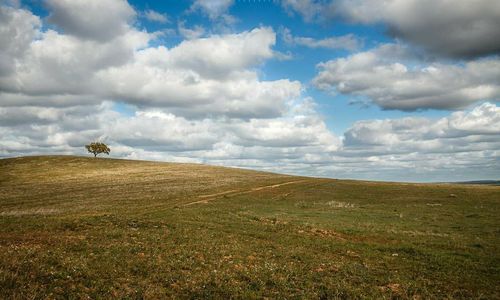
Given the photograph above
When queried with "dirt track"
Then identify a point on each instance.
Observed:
(209, 197)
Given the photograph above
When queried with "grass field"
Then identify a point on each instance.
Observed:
(73, 227)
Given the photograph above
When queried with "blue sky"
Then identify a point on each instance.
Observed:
(401, 90)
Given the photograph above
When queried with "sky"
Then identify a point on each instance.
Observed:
(395, 90)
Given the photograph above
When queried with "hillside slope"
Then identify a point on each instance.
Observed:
(75, 227)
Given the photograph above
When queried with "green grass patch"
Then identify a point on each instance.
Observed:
(73, 227)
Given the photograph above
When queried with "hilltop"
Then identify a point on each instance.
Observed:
(76, 227)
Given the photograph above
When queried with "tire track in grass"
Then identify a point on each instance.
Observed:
(210, 197)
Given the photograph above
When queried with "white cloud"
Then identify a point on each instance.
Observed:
(455, 146)
(348, 42)
(39, 129)
(163, 132)
(448, 135)
(59, 64)
(219, 55)
(199, 77)
(213, 8)
(181, 134)
(391, 79)
(217, 12)
(155, 16)
(190, 33)
(310, 10)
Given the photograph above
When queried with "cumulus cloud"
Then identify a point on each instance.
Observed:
(155, 16)
(100, 20)
(18, 28)
(461, 29)
(309, 10)
(63, 64)
(198, 77)
(190, 33)
(461, 142)
(39, 129)
(348, 42)
(221, 54)
(411, 134)
(212, 8)
(208, 76)
(392, 79)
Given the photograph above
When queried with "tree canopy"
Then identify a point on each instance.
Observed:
(97, 148)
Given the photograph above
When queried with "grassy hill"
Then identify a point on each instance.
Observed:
(74, 227)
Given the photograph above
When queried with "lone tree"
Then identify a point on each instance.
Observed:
(97, 148)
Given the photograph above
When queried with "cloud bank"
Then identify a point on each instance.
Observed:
(392, 78)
